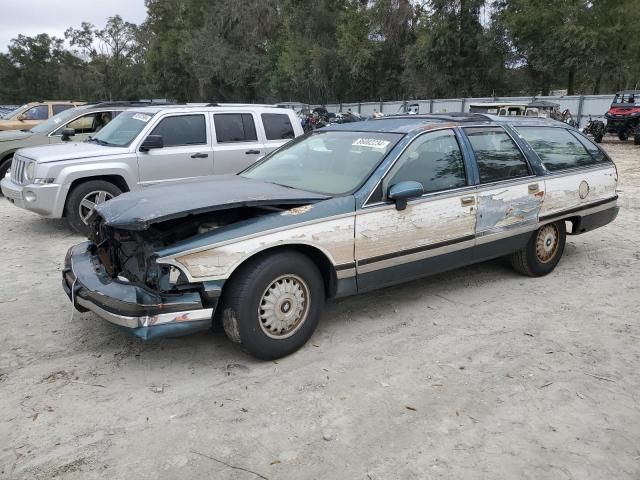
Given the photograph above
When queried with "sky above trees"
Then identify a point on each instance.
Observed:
(332, 51)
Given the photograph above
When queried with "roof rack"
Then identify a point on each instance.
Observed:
(127, 103)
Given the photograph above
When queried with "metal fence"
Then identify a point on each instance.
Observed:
(580, 106)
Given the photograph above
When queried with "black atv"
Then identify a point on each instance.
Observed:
(595, 128)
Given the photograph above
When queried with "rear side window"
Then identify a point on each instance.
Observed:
(497, 155)
(60, 107)
(559, 149)
(277, 126)
(235, 127)
(182, 130)
(434, 160)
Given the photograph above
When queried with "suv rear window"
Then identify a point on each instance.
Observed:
(235, 127)
(182, 130)
(558, 149)
(497, 155)
(277, 126)
(61, 107)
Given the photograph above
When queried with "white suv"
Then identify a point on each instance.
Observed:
(142, 147)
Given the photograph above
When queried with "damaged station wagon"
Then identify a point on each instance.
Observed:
(343, 210)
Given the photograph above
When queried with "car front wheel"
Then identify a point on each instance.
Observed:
(272, 304)
(4, 168)
(542, 252)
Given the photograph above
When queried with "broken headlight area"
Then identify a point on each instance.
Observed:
(129, 255)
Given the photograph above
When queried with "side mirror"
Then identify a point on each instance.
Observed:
(22, 117)
(152, 141)
(403, 191)
(67, 133)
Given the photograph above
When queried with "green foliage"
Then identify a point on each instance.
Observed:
(333, 50)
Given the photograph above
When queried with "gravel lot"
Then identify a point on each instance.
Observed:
(477, 373)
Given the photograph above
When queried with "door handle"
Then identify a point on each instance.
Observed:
(252, 152)
(467, 201)
(200, 155)
(534, 188)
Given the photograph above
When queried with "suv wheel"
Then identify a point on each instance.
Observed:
(84, 198)
(636, 139)
(273, 304)
(543, 251)
(4, 168)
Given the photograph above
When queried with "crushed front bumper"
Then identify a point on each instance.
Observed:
(139, 310)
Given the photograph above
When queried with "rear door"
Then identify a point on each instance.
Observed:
(278, 130)
(186, 153)
(435, 232)
(237, 141)
(509, 195)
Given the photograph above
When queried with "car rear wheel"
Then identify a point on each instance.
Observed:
(636, 139)
(83, 199)
(543, 251)
(272, 304)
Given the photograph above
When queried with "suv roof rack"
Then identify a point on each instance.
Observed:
(127, 103)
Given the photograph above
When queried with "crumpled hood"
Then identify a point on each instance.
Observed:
(70, 151)
(8, 135)
(138, 210)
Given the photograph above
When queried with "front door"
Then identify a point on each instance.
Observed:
(435, 232)
(186, 152)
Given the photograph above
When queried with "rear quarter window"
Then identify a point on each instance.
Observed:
(277, 126)
(560, 149)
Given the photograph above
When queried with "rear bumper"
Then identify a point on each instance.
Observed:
(621, 124)
(595, 220)
(144, 313)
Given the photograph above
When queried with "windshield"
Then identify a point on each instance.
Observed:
(7, 116)
(330, 162)
(55, 121)
(121, 131)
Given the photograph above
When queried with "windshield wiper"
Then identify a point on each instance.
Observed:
(100, 142)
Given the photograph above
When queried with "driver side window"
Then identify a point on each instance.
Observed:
(40, 112)
(435, 160)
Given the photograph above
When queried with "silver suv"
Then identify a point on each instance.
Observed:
(73, 123)
(143, 147)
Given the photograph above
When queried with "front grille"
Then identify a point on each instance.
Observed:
(18, 167)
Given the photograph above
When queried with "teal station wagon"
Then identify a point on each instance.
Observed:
(343, 210)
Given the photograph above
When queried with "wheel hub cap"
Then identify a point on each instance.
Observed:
(547, 243)
(284, 306)
(89, 202)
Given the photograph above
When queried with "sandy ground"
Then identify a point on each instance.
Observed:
(477, 373)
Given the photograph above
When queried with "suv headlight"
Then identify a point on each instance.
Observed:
(29, 172)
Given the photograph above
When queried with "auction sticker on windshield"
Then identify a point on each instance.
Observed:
(142, 117)
(371, 143)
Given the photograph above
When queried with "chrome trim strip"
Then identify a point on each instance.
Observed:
(584, 210)
(347, 273)
(413, 257)
(146, 320)
(489, 236)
